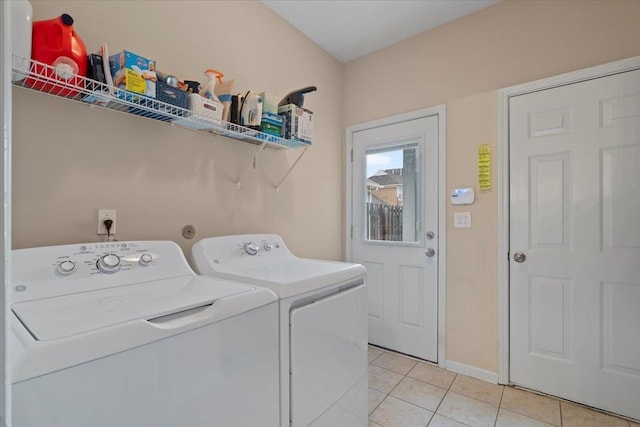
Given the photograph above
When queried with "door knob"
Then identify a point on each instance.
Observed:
(519, 257)
(430, 252)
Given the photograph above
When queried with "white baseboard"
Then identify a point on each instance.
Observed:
(472, 371)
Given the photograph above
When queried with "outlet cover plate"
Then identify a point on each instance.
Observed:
(106, 214)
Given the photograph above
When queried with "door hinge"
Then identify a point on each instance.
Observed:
(351, 232)
(507, 256)
(352, 155)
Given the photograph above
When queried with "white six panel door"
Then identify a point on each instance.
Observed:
(575, 242)
(392, 235)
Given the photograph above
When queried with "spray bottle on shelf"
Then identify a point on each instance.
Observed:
(208, 90)
(223, 91)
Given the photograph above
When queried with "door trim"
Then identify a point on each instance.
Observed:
(5, 214)
(440, 111)
(504, 95)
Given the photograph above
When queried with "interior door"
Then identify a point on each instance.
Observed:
(575, 242)
(395, 224)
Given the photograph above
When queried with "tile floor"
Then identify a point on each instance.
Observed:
(405, 392)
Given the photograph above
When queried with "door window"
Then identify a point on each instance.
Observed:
(392, 210)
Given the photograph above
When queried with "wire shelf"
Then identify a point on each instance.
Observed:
(34, 75)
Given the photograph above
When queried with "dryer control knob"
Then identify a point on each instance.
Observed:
(268, 246)
(109, 263)
(66, 267)
(145, 259)
(251, 248)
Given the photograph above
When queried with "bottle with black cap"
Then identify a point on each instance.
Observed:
(54, 42)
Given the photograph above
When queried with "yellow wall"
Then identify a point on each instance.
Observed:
(70, 159)
(463, 64)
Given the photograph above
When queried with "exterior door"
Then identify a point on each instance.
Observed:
(394, 232)
(575, 242)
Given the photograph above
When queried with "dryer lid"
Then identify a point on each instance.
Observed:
(69, 315)
(294, 276)
(273, 266)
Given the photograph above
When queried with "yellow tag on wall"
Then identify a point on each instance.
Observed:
(484, 166)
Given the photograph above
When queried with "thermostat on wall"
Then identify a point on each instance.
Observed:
(462, 196)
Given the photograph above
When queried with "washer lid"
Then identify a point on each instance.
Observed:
(68, 315)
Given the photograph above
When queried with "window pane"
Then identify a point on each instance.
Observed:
(392, 201)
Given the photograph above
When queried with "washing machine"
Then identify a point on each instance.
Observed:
(323, 325)
(126, 334)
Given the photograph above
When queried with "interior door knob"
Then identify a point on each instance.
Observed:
(519, 257)
(430, 252)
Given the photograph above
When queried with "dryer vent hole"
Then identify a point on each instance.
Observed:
(188, 232)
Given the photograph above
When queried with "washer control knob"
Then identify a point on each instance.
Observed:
(251, 248)
(109, 263)
(268, 246)
(145, 259)
(66, 267)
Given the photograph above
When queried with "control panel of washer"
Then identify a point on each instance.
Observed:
(109, 258)
(58, 270)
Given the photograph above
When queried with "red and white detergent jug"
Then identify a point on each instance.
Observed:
(54, 42)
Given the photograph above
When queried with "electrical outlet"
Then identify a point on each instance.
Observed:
(106, 214)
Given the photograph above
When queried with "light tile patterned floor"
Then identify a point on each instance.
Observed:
(406, 392)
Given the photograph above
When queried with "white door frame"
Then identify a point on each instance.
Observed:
(503, 185)
(5, 214)
(439, 111)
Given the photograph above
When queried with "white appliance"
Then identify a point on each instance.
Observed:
(323, 325)
(125, 334)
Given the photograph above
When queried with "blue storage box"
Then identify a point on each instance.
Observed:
(165, 94)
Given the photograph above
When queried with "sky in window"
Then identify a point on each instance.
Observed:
(385, 160)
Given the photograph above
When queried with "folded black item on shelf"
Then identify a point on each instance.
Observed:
(234, 114)
(96, 68)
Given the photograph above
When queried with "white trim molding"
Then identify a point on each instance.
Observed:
(504, 95)
(5, 215)
(441, 112)
(472, 371)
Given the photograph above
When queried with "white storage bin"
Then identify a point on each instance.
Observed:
(205, 108)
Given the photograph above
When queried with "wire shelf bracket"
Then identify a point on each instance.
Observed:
(293, 165)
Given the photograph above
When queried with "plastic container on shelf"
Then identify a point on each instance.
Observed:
(21, 14)
(205, 108)
(54, 42)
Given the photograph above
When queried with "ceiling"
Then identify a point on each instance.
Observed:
(348, 29)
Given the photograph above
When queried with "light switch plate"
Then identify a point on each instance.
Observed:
(462, 220)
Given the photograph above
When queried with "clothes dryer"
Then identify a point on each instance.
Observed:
(125, 334)
(323, 325)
